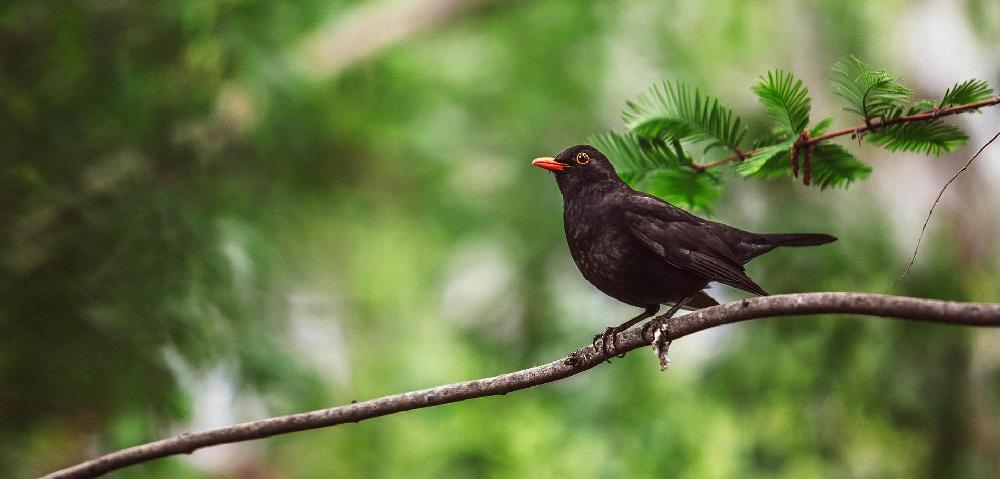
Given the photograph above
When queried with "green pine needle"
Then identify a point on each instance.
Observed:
(869, 93)
(969, 91)
(768, 162)
(927, 137)
(679, 112)
(659, 169)
(821, 127)
(833, 166)
(922, 105)
(633, 157)
(786, 99)
(684, 186)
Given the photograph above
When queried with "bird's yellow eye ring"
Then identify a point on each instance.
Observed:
(582, 158)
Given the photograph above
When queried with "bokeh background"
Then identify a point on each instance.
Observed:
(221, 210)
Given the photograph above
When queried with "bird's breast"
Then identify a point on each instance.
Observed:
(611, 258)
(602, 246)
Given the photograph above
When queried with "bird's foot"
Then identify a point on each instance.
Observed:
(597, 348)
(614, 341)
(609, 340)
(645, 327)
(609, 343)
(662, 334)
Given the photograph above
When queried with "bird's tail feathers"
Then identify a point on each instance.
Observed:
(798, 239)
(700, 300)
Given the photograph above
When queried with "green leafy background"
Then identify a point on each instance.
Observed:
(200, 224)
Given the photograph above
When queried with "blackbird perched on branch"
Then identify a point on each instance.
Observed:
(644, 251)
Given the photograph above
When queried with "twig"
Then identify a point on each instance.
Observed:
(807, 166)
(925, 116)
(948, 312)
(874, 125)
(923, 229)
(728, 159)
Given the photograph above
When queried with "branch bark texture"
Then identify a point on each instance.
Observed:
(947, 312)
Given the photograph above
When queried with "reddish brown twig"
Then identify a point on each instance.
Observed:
(729, 159)
(807, 170)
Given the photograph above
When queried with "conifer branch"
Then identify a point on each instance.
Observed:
(925, 116)
(860, 130)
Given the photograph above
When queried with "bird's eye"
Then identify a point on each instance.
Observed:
(582, 158)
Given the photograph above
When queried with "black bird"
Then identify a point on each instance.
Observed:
(644, 251)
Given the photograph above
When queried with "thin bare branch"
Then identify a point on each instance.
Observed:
(923, 229)
(948, 312)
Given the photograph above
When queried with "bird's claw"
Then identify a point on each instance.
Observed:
(614, 341)
(601, 348)
(608, 343)
(645, 328)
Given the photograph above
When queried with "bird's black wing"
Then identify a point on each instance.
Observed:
(686, 242)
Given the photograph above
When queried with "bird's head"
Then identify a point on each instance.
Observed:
(577, 166)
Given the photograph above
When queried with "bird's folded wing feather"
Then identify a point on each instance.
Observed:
(687, 243)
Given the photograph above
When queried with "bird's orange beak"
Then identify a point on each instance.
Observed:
(549, 163)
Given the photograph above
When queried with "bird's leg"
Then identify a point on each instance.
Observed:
(612, 332)
(666, 317)
(648, 313)
(669, 314)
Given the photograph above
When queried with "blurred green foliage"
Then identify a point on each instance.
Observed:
(180, 199)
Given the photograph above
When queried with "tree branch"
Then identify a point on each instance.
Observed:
(948, 312)
(865, 127)
(923, 229)
(925, 116)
